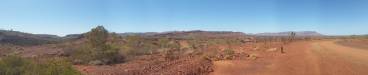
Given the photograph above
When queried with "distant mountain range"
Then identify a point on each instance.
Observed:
(298, 33)
(21, 38)
(200, 34)
(138, 34)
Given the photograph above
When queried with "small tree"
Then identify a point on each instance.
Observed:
(97, 37)
(96, 51)
(292, 36)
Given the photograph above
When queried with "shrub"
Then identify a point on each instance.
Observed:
(90, 55)
(214, 55)
(135, 45)
(229, 54)
(14, 65)
(210, 55)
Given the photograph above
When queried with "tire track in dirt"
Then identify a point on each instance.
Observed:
(296, 61)
(341, 60)
(302, 58)
(329, 62)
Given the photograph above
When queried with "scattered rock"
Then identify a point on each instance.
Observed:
(271, 50)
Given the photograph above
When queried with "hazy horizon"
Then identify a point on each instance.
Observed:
(62, 17)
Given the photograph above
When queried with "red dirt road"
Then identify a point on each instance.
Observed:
(302, 58)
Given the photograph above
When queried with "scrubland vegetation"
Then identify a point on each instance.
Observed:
(15, 65)
(96, 51)
(104, 51)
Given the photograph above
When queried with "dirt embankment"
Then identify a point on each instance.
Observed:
(302, 58)
(182, 66)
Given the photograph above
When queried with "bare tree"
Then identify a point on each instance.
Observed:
(292, 36)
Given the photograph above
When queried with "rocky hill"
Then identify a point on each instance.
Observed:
(21, 38)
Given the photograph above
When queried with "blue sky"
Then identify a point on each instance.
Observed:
(61, 17)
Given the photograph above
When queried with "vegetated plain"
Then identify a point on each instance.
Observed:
(100, 52)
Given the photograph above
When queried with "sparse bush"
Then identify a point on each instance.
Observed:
(211, 55)
(137, 45)
(171, 48)
(229, 54)
(90, 55)
(170, 55)
(253, 56)
(215, 55)
(14, 65)
(168, 43)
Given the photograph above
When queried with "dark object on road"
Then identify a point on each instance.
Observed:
(282, 49)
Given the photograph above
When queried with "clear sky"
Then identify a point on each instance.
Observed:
(61, 17)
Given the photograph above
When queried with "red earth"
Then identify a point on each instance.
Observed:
(302, 58)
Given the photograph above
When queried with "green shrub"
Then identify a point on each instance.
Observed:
(90, 55)
(14, 65)
(97, 37)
